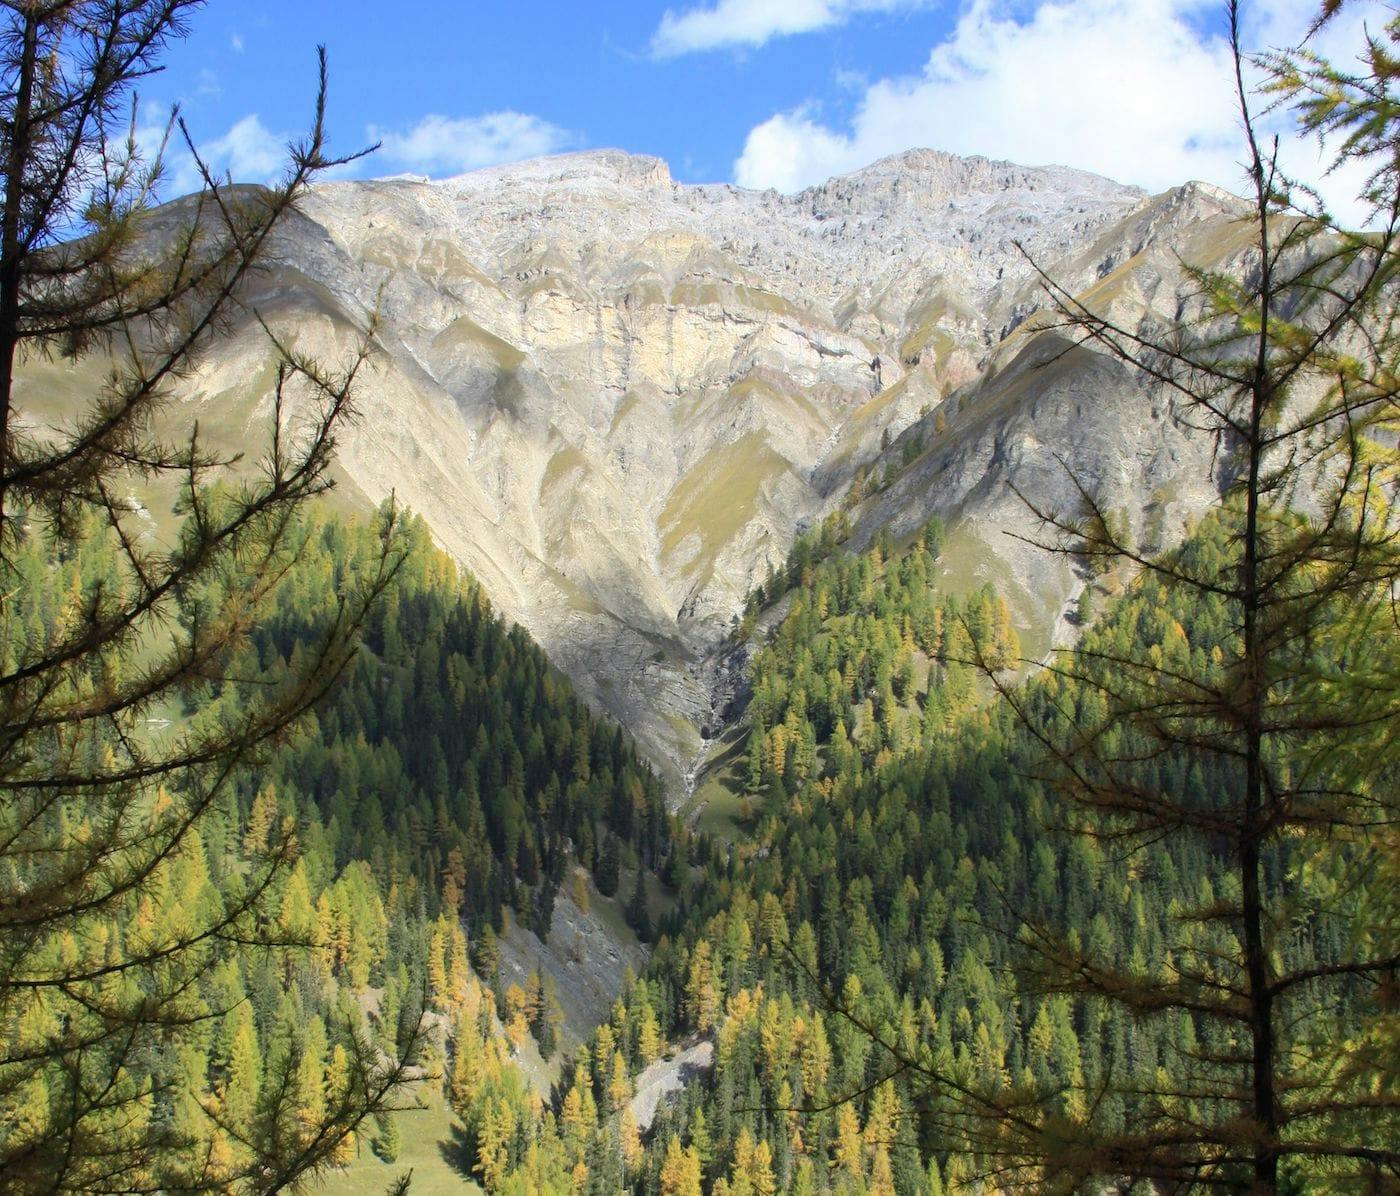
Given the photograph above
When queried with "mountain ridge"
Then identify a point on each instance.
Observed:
(617, 398)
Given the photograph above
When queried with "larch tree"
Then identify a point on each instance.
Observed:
(1263, 731)
(121, 729)
(1258, 734)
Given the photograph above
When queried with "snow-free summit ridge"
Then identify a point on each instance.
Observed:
(616, 398)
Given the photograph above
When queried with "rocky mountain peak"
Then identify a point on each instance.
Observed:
(936, 174)
(572, 169)
(616, 398)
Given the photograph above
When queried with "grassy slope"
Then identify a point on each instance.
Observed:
(716, 805)
(968, 563)
(51, 394)
(714, 500)
(427, 1146)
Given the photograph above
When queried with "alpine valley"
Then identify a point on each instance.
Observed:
(617, 400)
(664, 779)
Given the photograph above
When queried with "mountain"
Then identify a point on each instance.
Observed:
(640, 413)
(617, 399)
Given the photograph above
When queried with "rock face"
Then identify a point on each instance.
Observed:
(587, 956)
(616, 399)
(665, 1079)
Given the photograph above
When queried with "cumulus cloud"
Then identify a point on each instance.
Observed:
(440, 145)
(247, 153)
(1132, 89)
(733, 23)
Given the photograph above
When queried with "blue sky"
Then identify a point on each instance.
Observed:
(777, 93)
(588, 70)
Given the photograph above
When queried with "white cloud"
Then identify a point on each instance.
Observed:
(731, 23)
(236, 42)
(1131, 89)
(452, 145)
(792, 150)
(248, 152)
(251, 153)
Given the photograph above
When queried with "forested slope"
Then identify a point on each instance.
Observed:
(905, 836)
(452, 753)
(444, 783)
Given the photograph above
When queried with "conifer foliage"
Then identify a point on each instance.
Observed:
(117, 932)
(1287, 359)
(452, 753)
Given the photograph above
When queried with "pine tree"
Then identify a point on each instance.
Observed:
(609, 868)
(752, 1174)
(240, 1091)
(758, 736)
(630, 1138)
(386, 1141)
(850, 1149)
(638, 915)
(702, 992)
(649, 1039)
(468, 1062)
(579, 891)
(487, 954)
(495, 1136)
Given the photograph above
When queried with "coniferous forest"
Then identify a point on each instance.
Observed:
(285, 803)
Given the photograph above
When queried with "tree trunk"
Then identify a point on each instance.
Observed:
(12, 247)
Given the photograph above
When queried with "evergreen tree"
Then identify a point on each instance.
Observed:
(386, 1142)
(638, 915)
(1288, 360)
(99, 814)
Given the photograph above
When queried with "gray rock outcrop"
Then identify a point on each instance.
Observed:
(616, 399)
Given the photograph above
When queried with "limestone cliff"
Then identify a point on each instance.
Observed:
(616, 398)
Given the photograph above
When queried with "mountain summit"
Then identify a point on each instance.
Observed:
(617, 398)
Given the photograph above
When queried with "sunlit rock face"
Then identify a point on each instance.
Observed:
(616, 399)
